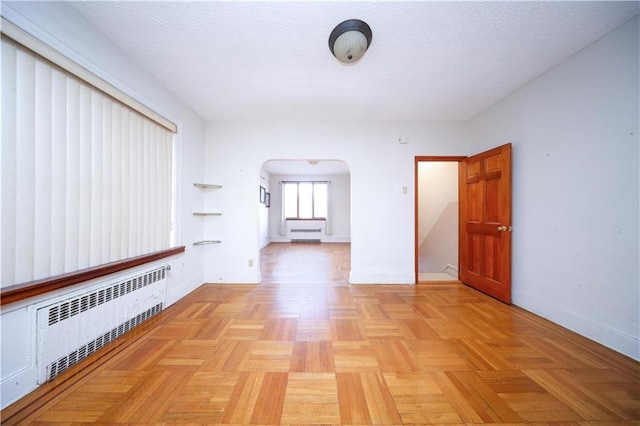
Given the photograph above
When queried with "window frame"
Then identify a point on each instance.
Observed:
(313, 201)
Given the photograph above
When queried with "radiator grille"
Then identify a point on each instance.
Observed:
(83, 351)
(72, 329)
(305, 235)
(76, 306)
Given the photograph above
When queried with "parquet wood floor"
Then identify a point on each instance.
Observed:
(304, 347)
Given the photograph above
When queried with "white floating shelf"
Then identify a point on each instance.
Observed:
(207, 214)
(207, 186)
(206, 242)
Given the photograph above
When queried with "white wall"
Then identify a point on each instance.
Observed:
(438, 186)
(60, 27)
(576, 189)
(382, 225)
(437, 215)
(340, 204)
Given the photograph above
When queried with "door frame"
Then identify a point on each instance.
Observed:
(423, 159)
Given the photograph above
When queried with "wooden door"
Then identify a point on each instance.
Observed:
(485, 222)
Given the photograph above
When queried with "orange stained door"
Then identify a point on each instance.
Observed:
(485, 222)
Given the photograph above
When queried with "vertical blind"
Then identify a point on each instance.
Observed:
(86, 180)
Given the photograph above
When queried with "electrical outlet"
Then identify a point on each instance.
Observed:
(250, 263)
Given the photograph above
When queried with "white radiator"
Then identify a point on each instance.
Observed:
(305, 234)
(71, 329)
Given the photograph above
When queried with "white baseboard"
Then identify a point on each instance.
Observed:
(235, 278)
(325, 239)
(620, 342)
(380, 277)
(18, 385)
(175, 293)
(336, 239)
(280, 240)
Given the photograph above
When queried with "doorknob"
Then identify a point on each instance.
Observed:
(502, 228)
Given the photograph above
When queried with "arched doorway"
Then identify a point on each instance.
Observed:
(307, 202)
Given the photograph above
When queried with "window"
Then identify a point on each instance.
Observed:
(86, 176)
(305, 200)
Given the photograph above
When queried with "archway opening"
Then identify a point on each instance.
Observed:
(305, 221)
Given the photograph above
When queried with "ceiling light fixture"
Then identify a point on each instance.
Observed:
(349, 40)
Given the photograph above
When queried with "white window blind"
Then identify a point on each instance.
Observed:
(86, 180)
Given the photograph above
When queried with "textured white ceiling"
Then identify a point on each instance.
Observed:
(271, 61)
